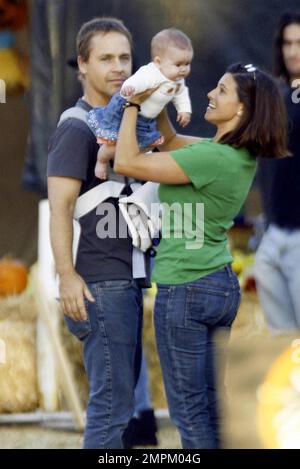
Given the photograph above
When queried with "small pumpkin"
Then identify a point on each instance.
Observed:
(13, 14)
(13, 276)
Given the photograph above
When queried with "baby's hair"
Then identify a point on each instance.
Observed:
(168, 38)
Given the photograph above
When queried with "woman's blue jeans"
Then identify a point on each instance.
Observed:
(187, 316)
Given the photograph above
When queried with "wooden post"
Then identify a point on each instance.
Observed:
(46, 360)
(48, 309)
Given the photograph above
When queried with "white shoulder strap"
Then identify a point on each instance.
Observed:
(90, 199)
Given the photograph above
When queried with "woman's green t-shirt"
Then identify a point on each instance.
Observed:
(197, 216)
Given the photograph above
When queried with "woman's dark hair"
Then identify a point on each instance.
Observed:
(285, 20)
(95, 26)
(263, 125)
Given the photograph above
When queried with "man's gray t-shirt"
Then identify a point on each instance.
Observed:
(73, 153)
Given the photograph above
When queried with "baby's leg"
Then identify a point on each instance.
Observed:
(105, 154)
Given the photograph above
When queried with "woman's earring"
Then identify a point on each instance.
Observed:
(239, 113)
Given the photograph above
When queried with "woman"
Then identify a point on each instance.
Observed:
(198, 293)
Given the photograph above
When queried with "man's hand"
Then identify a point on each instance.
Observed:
(73, 290)
(183, 118)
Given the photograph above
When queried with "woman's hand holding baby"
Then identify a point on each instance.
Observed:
(139, 98)
(127, 90)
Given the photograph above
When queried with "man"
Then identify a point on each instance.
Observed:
(101, 300)
(278, 256)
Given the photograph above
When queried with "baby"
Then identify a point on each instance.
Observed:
(171, 53)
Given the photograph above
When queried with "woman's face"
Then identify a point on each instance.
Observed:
(224, 105)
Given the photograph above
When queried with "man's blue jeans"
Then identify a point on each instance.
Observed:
(112, 352)
(186, 319)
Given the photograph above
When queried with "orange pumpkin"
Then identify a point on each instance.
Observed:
(13, 14)
(13, 276)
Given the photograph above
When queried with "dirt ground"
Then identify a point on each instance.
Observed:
(36, 437)
(251, 353)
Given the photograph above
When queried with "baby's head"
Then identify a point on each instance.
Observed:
(172, 53)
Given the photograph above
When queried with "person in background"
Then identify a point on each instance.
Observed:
(277, 267)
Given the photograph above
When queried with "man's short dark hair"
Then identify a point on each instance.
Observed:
(95, 26)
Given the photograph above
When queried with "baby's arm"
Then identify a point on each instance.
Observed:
(182, 100)
(183, 105)
(183, 118)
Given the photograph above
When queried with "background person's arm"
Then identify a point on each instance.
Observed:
(63, 193)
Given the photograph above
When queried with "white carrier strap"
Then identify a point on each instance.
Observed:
(90, 199)
(141, 211)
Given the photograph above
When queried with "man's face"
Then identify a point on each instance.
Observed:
(109, 64)
(291, 49)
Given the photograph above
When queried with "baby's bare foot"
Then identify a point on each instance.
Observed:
(101, 170)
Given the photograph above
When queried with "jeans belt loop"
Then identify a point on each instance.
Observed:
(228, 270)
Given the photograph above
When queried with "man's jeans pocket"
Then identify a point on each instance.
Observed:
(80, 329)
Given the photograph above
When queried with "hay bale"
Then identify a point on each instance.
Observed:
(74, 352)
(18, 376)
(250, 318)
(155, 377)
